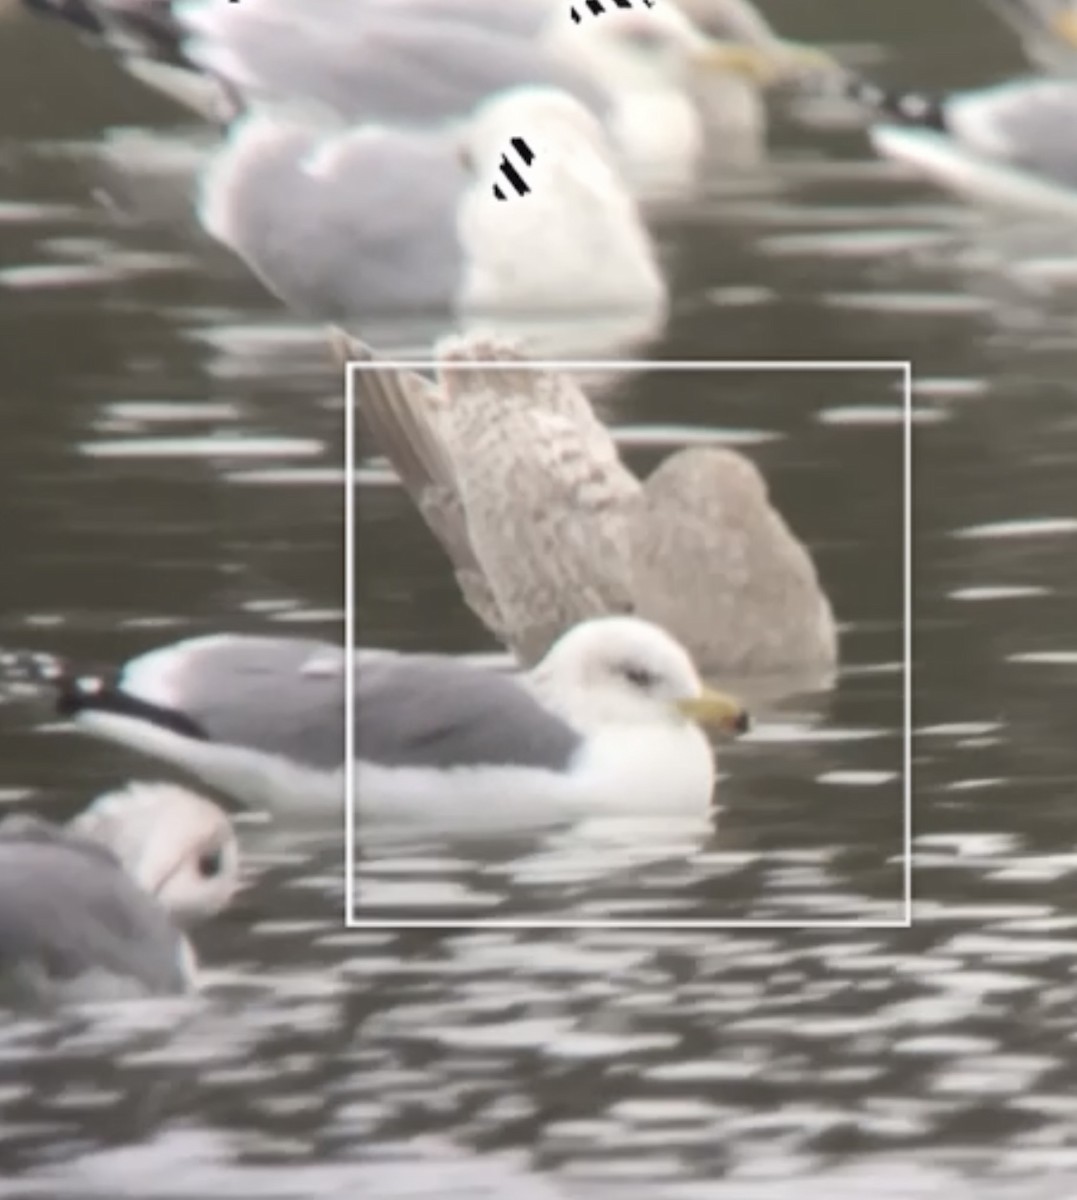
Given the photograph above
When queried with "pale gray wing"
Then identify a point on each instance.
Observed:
(716, 565)
(343, 225)
(404, 413)
(367, 63)
(427, 711)
(1029, 123)
(521, 19)
(282, 696)
(543, 490)
(67, 908)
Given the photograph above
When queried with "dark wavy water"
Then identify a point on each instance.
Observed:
(171, 450)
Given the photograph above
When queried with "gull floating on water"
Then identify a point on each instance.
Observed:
(426, 62)
(1009, 146)
(608, 723)
(545, 526)
(375, 222)
(605, 723)
(96, 909)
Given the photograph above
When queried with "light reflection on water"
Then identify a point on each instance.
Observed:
(149, 380)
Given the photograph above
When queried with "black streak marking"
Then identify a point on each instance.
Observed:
(595, 7)
(511, 174)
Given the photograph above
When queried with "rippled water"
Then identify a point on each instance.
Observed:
(171, 449)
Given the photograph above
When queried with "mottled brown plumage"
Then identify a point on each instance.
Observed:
(524, 488)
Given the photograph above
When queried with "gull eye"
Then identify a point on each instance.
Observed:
(640, 677)
(210, 864)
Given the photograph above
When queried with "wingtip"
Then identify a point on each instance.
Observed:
(348, 349)
(479, 348)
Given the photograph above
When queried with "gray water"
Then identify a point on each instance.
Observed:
(171, 450)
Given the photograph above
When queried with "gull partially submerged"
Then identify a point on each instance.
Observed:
(606, 722)
(97, 909)
(545, 526)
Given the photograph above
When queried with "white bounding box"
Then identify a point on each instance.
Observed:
(902, 371)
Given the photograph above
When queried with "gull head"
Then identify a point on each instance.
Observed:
(179, 846)
(650, 48)
(624, 670)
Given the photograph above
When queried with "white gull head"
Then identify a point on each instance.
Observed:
(179, 846)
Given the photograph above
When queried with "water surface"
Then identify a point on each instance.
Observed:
(171, 448)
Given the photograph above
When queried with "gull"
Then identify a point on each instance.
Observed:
(431, 61)
(545, 526)
(373, 222)
(97, 909)
(1010, 145)
(608, 721)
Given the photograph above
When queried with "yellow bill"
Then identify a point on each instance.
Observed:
(766, 65)
(1065, 26)
(715, 710)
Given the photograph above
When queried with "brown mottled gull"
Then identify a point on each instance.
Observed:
(545, 526)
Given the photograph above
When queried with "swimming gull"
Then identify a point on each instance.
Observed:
(430, 61)
(1010, 145)
(608, 723)
(379, 223)
(603, 721)
(95, 910)
(545, 526)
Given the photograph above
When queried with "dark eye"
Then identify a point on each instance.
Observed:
(640, 677)
(210, 864)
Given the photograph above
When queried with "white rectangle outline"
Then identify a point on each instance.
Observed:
(905, 367)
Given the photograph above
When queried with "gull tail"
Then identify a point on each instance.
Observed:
(898, 105)
(95, 694)
(31, 675)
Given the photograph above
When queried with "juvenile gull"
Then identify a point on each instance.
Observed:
(605, 721)
(545, 526)
(96, 909)
(377, 222)
(431, 61)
